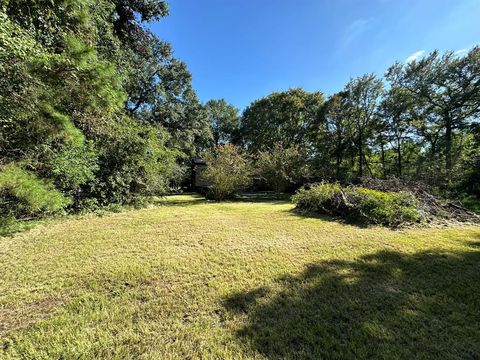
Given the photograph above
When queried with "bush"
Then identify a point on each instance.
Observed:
(228, 172)
(24, 194)
(282, 167)
(359, 204)
(134, 162)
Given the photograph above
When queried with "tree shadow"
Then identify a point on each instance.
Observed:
(387, 305)
(265, 196)
(259, 197)
(311, 215)
(176, 200)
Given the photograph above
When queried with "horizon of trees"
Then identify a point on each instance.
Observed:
(96, 110)
(419, 122)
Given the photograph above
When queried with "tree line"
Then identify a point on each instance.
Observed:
(95, 110)
(94, 107)
(420, 122)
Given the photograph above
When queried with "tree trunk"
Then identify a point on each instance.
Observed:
(367, 165)
(399, 159)
(383, 159)
(339, 158)
(448, 147)
(360, 154)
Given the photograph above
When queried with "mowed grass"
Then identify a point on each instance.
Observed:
(196, 280)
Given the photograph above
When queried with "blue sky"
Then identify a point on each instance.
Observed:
(242, 50)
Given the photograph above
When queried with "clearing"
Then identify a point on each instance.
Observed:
(192, 279)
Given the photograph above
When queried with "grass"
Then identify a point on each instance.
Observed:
(191, 279)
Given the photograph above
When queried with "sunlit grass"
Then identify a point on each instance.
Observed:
(196, 279)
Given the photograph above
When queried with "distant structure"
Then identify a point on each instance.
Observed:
(198, 167)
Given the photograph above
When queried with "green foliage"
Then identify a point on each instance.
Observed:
(468, 171)
(446, 94)
(63, 125)
(160, 92)
(134, 162)
(472, 203)
(317, 198)
(223, 119)
(282, 167)
(359, 204)
(74, 166)
(385, 208)
(93, 101)
(24, 194)
(228, 171)
(288, 117)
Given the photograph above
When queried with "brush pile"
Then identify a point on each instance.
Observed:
(392, 203)
(433, 208)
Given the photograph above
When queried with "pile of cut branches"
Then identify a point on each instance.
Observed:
(434, 208)
(359, 204)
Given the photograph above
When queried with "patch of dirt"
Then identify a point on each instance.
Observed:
(26, 314)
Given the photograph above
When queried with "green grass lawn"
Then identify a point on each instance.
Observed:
(190, 279)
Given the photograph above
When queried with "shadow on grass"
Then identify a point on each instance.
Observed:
(8, 229)
(264, 197)
(387, 305)
(196, 199)
(178, 200)
(310, 215)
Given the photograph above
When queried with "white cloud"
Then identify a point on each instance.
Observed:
(415, 56)
(460, 52)
(354, 31)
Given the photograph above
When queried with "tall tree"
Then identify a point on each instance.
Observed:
(396, 109)
(337, 122)
(160, 92)
(446, 89)
(224, 120)
(287, 117)
(363, 95)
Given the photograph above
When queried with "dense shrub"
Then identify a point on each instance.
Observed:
(282, 167)
(134, 162)
(24, 194)
(228, 172)
(359, 204)
(69, 166)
